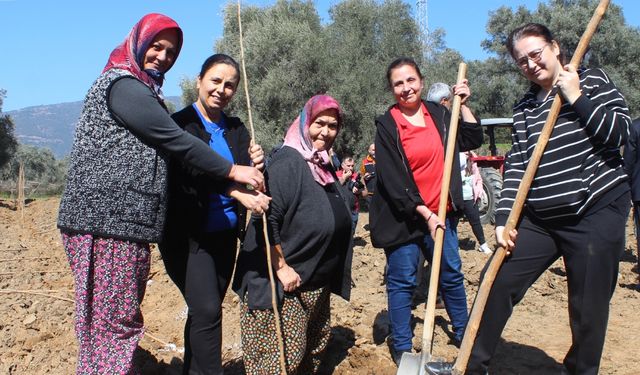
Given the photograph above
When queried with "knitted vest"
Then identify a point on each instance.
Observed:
(116, 185)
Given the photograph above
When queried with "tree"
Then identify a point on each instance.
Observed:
(189, 91)
(611, 49)
(364, 36)
(290, 57)
(8, 142)
(283, 50)
(41, 168)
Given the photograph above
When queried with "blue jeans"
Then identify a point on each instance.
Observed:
(402, 267)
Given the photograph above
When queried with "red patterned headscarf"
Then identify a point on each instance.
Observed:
(130, 54)
(298, 137)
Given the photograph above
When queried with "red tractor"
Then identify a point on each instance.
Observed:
(491, 168)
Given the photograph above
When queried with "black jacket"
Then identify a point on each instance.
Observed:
(190, 189)
(301, 220)
(392, 215)
(632, 159)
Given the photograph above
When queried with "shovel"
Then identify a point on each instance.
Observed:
(460, 365)
(410, 363)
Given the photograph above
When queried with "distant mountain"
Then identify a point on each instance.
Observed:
(52, 125)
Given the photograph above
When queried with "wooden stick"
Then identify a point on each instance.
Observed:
(166, 344)
(20, 198)
(40, 293)
(429, 320)
(28, 258)
(274, 300)
(245, 79)
(34, 292)
(475, 318)
(30, 272)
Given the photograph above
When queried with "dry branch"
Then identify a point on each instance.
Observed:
(27, 258)
(34, 292)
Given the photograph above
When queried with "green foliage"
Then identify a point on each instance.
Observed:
(362, 39)
(8, 142)
(170, 106)
(613, 48)
(290, 57)
(283, 49)
(44, 174)
(189, 91)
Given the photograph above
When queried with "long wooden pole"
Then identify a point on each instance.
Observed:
(274, 300)
(20, 198)
(480, 302)
(429, 319)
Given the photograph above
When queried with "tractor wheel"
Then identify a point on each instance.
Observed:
(492, 184)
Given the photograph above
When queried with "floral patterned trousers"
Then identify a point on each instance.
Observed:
(110, 278)
(306, 328)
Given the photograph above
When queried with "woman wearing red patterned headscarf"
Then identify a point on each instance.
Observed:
(310, 228)
(114, 202)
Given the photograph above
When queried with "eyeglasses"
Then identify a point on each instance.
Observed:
(534, 56)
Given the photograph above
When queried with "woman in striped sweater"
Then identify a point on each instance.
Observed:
(578, 203)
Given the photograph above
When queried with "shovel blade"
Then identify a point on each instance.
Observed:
(409, 364)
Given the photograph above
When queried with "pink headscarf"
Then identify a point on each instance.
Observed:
(130, 54)
(298, 137)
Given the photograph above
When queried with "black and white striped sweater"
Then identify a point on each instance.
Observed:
(582, 160)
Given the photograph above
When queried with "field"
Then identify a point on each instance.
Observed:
(36, 311)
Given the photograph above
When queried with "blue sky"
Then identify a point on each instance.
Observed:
(53, 50)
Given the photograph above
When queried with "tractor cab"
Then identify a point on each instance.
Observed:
(491, 168)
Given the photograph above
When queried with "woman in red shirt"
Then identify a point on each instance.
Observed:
(410, 140)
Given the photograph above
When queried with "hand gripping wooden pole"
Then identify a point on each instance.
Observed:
(274, 300)
(460, 365)
(452, 135)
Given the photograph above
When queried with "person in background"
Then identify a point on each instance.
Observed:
(440, 93)
(368, 171)
(309, 227)
(409, 144)
(207, 215)
(578, 203)
(472, 191)
(631, 156)
(350, 179)
(114, 203)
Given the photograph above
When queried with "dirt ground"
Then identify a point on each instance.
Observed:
(36, 311)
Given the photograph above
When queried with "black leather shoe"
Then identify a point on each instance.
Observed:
(396, 355)
(439, 368)
(457, 342)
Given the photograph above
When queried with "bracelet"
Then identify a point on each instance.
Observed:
(429, 217)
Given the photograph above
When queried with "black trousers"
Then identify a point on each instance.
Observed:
(202, 271)
(591, 248)
(473, 215)
(636, 221)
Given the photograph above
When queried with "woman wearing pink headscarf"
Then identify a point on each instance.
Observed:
(114, 203)
(309, 224)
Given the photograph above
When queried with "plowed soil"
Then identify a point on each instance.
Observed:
(36, 311)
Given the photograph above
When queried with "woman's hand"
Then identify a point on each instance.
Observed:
(289, 278)
(569, 83)
(462, 90)
(247, 175)
(509, 244)
(256, 153)
(432, 220)
(252, 200)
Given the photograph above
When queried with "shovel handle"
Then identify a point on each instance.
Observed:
(429, 318)
(480, 302)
